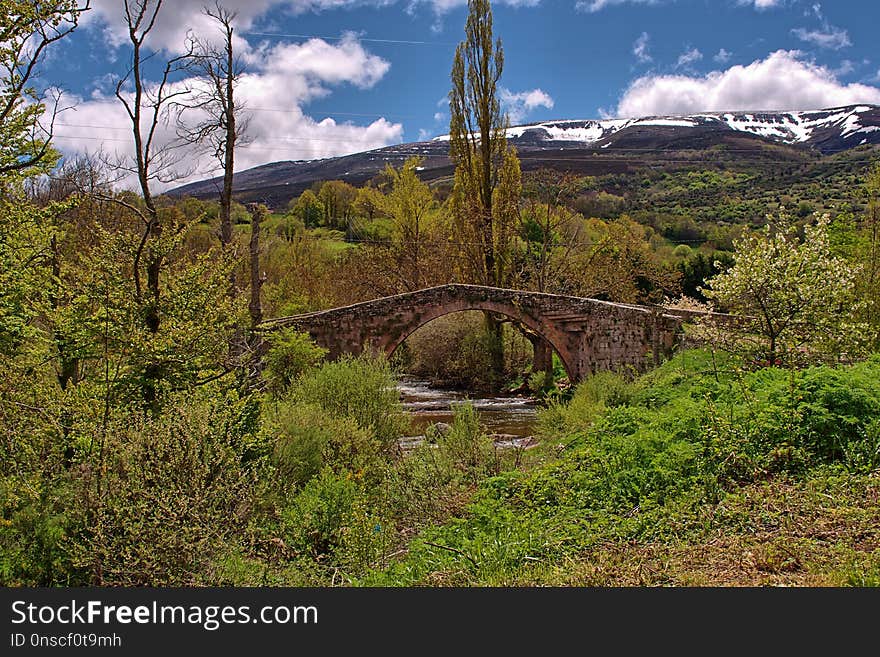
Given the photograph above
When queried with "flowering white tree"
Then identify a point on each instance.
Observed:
(796, 300)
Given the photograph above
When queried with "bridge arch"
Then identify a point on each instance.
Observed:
(390, 342)
(587, 334)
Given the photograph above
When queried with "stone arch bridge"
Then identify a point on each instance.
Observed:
(588, 335)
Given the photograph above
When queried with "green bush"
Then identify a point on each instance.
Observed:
(361, 388)
(590, 399)
(308, 439)
(639, 458)
(290, 353)
(316, 519)
(466, 445)
(166, 494)
(33, 528)
(430, 483)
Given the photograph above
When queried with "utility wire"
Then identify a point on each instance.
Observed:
(358, 38)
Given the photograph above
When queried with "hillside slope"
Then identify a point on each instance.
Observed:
(591, 147)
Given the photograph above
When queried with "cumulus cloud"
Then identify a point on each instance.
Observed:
(723, 56)
(519, 105)
(281, 80)
(688, 57)
(828, 36)
(784, 80)
(174, 20)
(640, 49)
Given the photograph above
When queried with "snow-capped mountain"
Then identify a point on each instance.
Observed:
(828, 130)
(588, 147)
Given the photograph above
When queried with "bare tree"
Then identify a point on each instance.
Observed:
(220, 126)
(154, 161)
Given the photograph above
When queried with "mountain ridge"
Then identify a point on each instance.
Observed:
(588, 147)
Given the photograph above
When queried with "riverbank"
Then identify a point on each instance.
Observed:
(698, 473)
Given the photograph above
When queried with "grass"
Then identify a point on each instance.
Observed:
(696, 474)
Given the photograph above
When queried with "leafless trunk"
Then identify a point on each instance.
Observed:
(145, 108)
(258, 212)
(218, 126)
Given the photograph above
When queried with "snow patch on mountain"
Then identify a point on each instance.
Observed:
(674, 123)
(794, 127)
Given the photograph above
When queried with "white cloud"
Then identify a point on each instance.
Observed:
(688, 57)
(784, 80)
(829, 36)
(174, 20)
(723, 56)
(640, 48)
(846, 67)
(592, 6)
(519, 105)
(281, 80)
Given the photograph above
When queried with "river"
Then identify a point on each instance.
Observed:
(511, 420)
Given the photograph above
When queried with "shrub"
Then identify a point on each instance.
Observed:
(290, 354)
(307, 440)
(430, 483)
(317, 516)
(164, 495)
(466, 444)
(360, 388)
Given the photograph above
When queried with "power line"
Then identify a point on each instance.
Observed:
(341, 38)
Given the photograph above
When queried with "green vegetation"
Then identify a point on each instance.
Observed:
(151, 436)
(780, 461)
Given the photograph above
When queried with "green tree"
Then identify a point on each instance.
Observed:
(618, 264)
(795, 300)
(337, 200)
(368, 204)
(27, 30)
(407, 203)
(308, 209)
(485, 198)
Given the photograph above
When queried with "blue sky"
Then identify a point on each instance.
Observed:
(328, 77)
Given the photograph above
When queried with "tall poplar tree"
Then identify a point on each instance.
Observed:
(485, 198)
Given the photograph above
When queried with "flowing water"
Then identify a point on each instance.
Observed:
(511, 419)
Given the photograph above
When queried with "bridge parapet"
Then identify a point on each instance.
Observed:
(588, 334)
